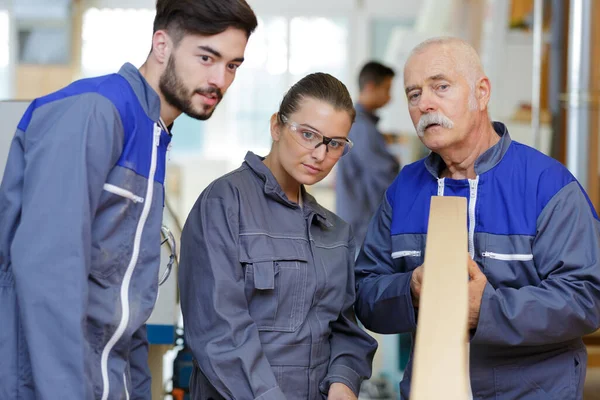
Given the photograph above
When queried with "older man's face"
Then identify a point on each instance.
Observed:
(440, 100)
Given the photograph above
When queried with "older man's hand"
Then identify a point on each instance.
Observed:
(339, 391)
(477, 282)
(416, 281)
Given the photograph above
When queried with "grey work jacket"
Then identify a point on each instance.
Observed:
(364, 174)
(81, 205)
(267, 293)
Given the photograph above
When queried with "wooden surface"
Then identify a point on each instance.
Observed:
(440, 368)
(593, 184)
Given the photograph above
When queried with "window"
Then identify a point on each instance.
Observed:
(128, 39)
(5, 89)
(4, 35)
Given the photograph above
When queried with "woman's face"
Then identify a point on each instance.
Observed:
(297, 136)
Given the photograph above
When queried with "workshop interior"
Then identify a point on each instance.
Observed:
(541, 57)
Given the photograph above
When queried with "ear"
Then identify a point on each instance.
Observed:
(162, 45)
(369, 86)
(483, 91)
(275, 128)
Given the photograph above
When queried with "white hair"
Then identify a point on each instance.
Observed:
(465, 58)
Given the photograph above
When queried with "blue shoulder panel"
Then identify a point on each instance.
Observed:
(138, 127)
(510, 196)
(410, 195)
(513, 194)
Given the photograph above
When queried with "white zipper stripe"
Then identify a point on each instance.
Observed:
(473, 184)
(130, 268)
(406, 253)
(123, 193)
(125, 385)
(441, 186)
(508, 257)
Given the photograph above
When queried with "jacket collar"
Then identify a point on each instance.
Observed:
(147, 97)
(273, 190)
(488, 160)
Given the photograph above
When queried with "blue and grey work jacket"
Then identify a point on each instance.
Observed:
(535, 236)
(81, 205)
(267, 293)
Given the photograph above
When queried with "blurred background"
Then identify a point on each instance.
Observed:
(542, 57)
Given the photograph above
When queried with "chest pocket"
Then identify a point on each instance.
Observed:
(276, 276)
(508, 261)
(408, 251)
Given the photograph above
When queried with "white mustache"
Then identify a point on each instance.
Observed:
(433, 118)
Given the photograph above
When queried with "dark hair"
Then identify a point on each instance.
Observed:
(374, 72)
(318, 86)
(203, 17)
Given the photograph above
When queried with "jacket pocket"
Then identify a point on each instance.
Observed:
(275, 291)
(510, 268)
(507, 257)
(408, 251)
(119, 211)
(16, 379)
(546, 378)
(123, 193)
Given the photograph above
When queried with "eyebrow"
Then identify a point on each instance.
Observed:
(320, 133)
(218, 54)
(310, 127)
(411, 88)
(438, 77)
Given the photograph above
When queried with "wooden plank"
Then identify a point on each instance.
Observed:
(440, 368)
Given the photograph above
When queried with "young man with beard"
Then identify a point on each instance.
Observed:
(81, 204)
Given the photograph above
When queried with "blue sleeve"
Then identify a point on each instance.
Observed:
(384, 303)
(69, 148)
(352, 349)
(218, 327)
(566, 304)
(139, 370)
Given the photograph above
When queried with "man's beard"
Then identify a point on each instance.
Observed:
(178, 96)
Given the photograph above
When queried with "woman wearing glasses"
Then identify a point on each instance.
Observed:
(266, 273)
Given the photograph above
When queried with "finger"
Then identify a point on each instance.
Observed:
(474, 270)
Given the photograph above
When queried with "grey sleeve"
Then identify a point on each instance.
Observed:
(69, 147)
(379, 166)
(139, 370)
(566, 305)
(384, 303)
(352, 349)
(218, 327)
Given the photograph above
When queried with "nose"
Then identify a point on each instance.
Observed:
(218, 77)
(427, 102)
(320, 153)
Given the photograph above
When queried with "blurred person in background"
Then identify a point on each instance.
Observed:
(363, 176)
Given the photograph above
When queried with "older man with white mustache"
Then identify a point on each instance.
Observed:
(534, 238)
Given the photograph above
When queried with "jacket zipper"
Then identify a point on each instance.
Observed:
(124, 295)
(406, 253)
(507, 257)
